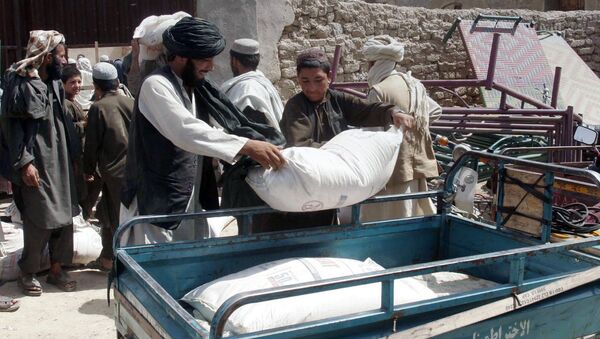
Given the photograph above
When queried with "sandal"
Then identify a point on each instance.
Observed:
(30, 286)
(8, 304)
(97, 265)
(62, 280)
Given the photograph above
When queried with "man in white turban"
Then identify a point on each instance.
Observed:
(416, 160)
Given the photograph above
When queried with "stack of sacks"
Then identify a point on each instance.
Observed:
(87, 244)
(207, 298)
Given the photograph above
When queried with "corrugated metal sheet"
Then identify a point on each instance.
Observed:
(110, 22)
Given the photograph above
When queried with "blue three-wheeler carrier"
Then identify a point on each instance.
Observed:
(540, 290)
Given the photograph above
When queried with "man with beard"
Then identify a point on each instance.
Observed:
(249, 89)
(41, 143)
(168, 166)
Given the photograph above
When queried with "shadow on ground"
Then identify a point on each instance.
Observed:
(96, 306)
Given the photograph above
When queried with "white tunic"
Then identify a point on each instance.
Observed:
(161, 104)
(164, 108)
(252, 89)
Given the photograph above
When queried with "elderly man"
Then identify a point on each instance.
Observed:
(250, 90)
(416, 160)
(171, 128)
(107, 136)
(317, 114)
(38, 136)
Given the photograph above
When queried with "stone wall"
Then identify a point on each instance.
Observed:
(325, 23)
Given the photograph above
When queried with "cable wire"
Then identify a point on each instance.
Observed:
(575, 218)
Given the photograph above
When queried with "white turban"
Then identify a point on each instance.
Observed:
(385, 51)
(383, 47)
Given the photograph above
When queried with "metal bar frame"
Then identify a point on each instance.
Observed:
(548, 149)
(593, 176)
(494, 124)
(489, 130)
(448, 190)
(555, 86)
(547, 212)
(489, 80)
(251, 211)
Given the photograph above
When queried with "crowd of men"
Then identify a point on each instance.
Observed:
(155, 154)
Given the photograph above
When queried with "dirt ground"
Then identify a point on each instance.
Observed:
(83, 313)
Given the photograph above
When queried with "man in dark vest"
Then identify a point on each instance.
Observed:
(171, 141)
(42, 145)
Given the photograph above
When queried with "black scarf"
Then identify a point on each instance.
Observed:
(211, 101)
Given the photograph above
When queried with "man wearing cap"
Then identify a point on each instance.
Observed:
(249, 89)
(416, 159)
(42, 145)
(167, 171)
(107, 135)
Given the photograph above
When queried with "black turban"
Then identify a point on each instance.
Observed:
(194, 38)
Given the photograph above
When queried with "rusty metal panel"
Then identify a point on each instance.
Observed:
(110, 22)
